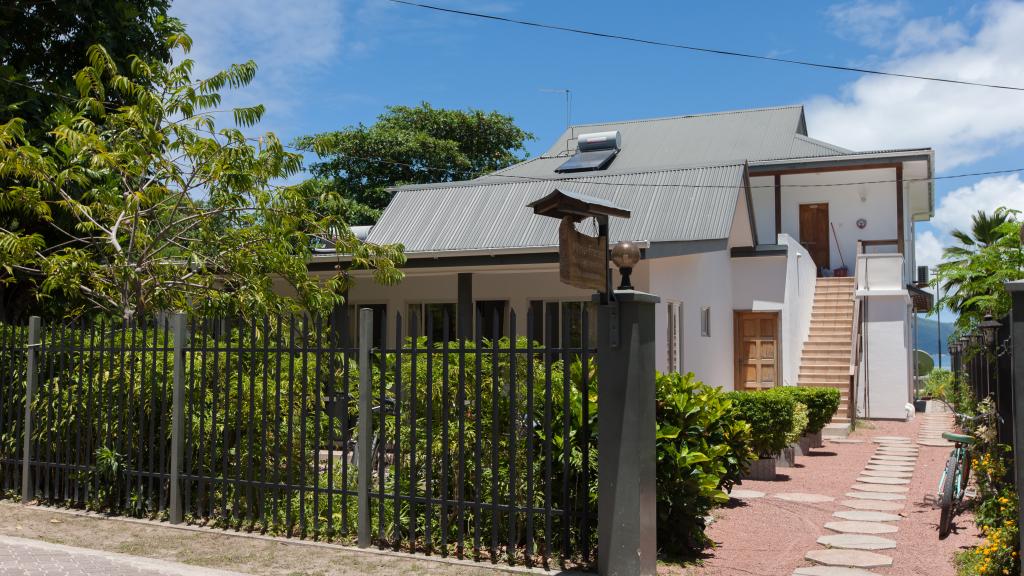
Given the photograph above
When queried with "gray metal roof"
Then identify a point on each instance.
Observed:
(703, 139)
(674, 205)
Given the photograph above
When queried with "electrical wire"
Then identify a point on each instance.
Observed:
(588, 180)
(716, 51)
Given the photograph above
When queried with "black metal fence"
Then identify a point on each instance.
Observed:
(482, 448)
(982, 362)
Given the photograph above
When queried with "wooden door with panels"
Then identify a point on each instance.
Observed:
(757, 350)
(814, 232)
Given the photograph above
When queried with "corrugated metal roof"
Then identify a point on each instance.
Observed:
(683, 205)
(704, 139)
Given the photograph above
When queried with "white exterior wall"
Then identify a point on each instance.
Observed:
(884, 387)
(697, 281)
(762, 194)
(876, 203)
(801, 278)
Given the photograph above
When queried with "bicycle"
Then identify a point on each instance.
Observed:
(957, 474)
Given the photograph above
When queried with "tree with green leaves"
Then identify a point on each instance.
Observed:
(42, 46)
(409, 145)
(973, 273)
(164, 210)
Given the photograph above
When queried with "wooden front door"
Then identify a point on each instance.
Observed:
(814, 232)
(757, 346)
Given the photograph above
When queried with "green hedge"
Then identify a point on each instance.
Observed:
(771, 417)
(703, 448)
(821, 403)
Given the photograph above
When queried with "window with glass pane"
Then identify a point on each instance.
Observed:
(422, 316)
(491, 315)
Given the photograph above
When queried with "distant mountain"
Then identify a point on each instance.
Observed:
(933, 337)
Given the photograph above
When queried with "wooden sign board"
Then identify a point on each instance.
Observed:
(582, 259)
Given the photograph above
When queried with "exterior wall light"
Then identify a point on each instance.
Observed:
(989, 328)
(625, 255)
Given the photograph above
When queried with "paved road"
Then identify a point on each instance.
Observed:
(22, 557)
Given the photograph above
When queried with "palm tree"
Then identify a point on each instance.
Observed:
(972, 272)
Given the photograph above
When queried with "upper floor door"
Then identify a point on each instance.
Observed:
(814, 232)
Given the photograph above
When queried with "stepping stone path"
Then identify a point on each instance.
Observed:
(746, 494)
(875, 480)
(831, 571)
(854, 527)
(933, 425)
(876, 496)
(845, 441)
(857, 542)
(880, 488)
(879, 493)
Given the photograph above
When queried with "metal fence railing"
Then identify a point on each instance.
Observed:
(299, 427)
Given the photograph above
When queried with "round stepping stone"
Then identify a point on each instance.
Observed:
(867, 516)
(845, 440)
(886, 474)
(857, 542)
(746, 494)
(803, 497)
(874, 505)
(852, 527)
(882, 449)
(877, 480)
(849, 558)
(880, 488)
(867, 495)
(831, 571)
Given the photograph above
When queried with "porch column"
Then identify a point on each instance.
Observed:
(465, 307)
(627, 535)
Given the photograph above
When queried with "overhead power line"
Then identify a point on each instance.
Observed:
(717, 51)
(583, 179)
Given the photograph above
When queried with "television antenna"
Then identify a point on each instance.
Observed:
(568, 109)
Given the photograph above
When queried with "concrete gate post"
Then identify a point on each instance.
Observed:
(626, 436)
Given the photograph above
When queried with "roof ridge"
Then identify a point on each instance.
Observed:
(700, 115)
(575, 178)
(813, 140)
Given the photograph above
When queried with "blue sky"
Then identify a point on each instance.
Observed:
(326, 64)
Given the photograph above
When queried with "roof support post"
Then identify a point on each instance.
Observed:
(465, 306)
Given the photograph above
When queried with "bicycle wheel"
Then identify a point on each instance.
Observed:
(946, 497)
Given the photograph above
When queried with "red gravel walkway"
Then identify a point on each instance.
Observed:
(768, 536)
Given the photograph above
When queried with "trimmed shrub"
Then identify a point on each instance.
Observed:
(821, 403)
(770, 415)
(703, 448)
(799, 426)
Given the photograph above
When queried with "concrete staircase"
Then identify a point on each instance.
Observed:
(826, 355)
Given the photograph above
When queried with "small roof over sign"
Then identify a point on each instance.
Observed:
(559, 204)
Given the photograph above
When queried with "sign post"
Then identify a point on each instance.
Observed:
(626, 480)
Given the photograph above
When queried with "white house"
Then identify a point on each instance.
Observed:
(747, 226)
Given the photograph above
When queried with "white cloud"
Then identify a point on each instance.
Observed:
(928, 249)
(956, 208)
(962, 123)
(870, 23)
(287, 40)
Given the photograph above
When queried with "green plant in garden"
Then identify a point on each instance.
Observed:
(771, 417)
(996, 509)
(821, 404)
(799, 426)
(972, 274)
(702, 450)
(939, 384)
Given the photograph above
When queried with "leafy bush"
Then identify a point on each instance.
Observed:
(939, 384)
(703, 449)
(821, 402)
(799, 426)
(770, 415)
